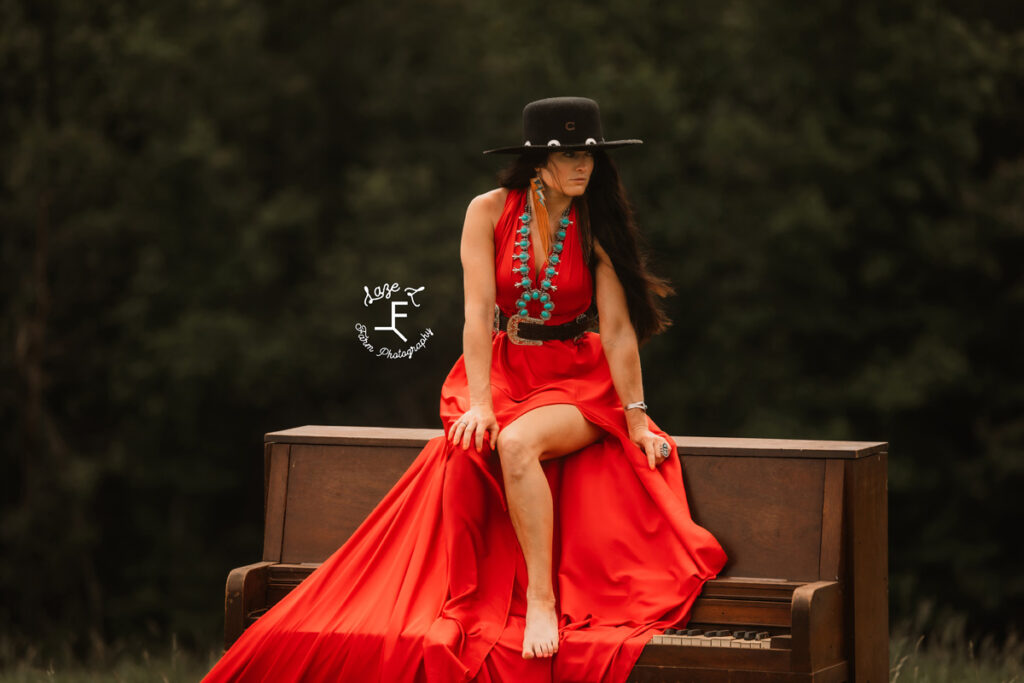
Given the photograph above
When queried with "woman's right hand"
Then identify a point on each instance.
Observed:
(472, 426)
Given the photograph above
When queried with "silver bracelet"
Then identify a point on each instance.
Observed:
(637, 404)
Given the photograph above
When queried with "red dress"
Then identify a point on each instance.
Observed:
(432, 586)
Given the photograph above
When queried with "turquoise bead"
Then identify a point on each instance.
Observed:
(546, 283)
(564, 221)
(526, 218)
(520, 304)
(524, 270)
(558, 247)
(535, 294)
(522, 257)
(524, 243)
(560, 234)
(524, 231)
(548, 306)
(550, 270)
(525, 282)
(523, 311)
(544, 297)
(554, 259)
(545, 315)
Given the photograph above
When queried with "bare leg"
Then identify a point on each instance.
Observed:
(541, 434)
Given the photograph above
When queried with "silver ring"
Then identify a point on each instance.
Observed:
(462, 422)
(665, 449)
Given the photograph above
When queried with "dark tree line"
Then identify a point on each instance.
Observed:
(193, 196)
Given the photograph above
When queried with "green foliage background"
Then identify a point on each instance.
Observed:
(193, 195)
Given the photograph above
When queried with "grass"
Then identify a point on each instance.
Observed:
(143, 669)
(945, 655)
(169, 665)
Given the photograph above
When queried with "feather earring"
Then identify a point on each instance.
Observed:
(541, 214)
(538, 188)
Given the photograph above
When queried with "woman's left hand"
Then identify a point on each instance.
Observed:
(657, 448)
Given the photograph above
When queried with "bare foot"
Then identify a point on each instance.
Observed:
(540, 637)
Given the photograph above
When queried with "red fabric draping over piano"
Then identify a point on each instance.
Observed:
(431, 587)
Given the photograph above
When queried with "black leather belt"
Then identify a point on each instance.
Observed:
(532, 331)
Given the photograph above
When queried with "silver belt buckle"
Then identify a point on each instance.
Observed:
(513, 330)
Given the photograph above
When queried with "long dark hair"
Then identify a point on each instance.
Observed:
(605, 214)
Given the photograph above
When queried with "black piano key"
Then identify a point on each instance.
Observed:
(671, 631)
(750, 635)
(761, 635)
(693, 631)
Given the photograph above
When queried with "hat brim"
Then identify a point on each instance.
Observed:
(610, 144)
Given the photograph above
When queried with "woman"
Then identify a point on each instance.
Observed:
(482, 563)
(559, 175)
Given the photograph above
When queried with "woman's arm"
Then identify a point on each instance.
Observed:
(477, 253)
(618, 338)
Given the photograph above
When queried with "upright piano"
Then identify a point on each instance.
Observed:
(804, 596)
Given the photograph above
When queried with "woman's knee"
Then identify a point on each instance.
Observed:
(516, 452)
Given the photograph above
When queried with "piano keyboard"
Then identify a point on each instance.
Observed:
(747, 640)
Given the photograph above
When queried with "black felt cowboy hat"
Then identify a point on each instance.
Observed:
(562, 123)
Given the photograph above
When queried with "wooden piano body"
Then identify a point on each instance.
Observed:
(804, 524)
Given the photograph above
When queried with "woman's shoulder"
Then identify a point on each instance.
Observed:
(490, 204)
(491, 201)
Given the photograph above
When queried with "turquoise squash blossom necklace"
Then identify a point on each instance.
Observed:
(529, 293)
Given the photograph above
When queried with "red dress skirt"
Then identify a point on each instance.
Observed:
(432, 586)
